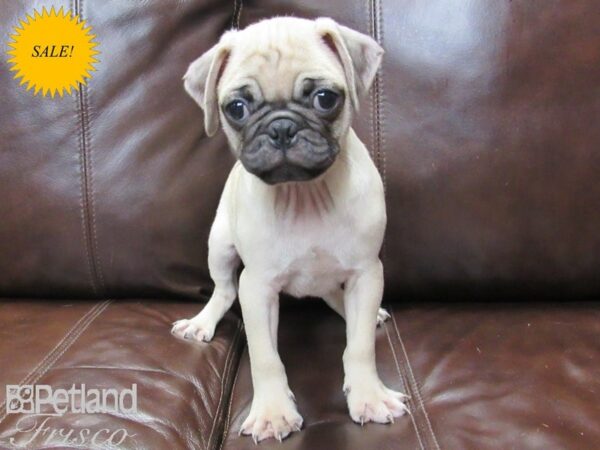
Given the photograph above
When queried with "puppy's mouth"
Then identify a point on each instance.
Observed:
(288, 150)
(288, 173)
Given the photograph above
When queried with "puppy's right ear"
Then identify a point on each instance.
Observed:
(201, 80)
(359, 54)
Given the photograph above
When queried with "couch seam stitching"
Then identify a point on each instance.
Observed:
(61, 347)
(96, 252)
(88, 140)
(371, 96)
(376, 90)
(82, 199)
(412, 399)
(416, 390)
(83, 207)
(226, 369)
(86, 180)
(381, 88)
(237, 13)
(376, 31)
(74, 6)
(379, 121)
(87, 186)
(405, 384)
(228, 416)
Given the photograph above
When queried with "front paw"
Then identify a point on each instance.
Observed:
(373, 402)
(193, 330)
(272, 417)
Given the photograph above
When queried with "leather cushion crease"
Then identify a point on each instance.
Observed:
(483, 124)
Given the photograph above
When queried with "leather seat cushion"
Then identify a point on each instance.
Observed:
(181, 386)
(479, 376)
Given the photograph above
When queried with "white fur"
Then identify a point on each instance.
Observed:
(316, 238)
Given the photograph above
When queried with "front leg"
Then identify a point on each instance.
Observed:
(369, 400)
(273, 412)
(223, 261)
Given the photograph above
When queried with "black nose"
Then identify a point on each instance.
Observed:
(282, 131)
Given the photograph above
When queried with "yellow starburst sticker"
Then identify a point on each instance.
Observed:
(53, 52)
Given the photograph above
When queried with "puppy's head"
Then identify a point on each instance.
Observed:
(284, 90)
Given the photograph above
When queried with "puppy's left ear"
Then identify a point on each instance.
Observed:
(358, 53)
(201, 80)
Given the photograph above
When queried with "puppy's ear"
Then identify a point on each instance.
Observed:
(201, 80)
(359, 54)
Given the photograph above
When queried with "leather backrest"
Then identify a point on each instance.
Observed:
(482, 121)
(111, 192)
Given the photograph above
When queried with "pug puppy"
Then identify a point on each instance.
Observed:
(303, 207)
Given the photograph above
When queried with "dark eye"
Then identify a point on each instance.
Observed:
(325, 100)
(237, 110)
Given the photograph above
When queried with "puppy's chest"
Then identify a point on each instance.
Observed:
(305, 239)
(315, 271)
(312, 258)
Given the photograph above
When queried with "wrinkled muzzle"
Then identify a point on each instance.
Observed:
(284, 146)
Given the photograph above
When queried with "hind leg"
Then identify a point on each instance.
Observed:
(223, 261)
(335, 300)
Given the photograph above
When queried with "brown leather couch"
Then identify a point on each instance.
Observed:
(484, 124)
